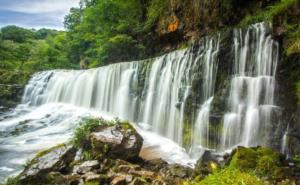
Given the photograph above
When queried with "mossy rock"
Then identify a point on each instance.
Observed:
(119, 141)
(244, 159)
(264, 162)
(54, 159)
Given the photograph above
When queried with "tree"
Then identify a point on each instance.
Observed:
(16, 34)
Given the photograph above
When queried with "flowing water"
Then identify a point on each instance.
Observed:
(251, 99)
(156, 95)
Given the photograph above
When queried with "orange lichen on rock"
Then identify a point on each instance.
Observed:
(173, 26)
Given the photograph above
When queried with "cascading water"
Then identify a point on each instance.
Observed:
(251, 100)
(172, 96)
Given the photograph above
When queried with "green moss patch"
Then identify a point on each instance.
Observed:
(229, 176)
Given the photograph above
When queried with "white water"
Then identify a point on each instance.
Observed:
(156, 95)
(251, 99)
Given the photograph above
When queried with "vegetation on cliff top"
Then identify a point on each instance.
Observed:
(268, 13)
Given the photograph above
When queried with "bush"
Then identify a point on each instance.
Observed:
(268, 13)
(156, 9)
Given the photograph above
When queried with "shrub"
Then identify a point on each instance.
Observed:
(87, 126)
(156, 9)
(268, 13)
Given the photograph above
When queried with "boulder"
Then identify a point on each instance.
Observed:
(179, 171)
(119, 141)
(86, 167)
(55, 159)
(121, 179)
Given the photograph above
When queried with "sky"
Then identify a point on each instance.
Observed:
(35, 13)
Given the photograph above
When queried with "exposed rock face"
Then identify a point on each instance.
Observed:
(189, 20)
(86, 167)
(55, 159)
(116, 142)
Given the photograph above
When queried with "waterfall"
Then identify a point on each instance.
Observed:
(154, 92)
(115, 88)
(251, 99)
(172, 96)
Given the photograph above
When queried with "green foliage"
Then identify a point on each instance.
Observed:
(246, 167)
(16, 34)
(156, 9)
(87, 126)
(14, 76)
(11, 181)
(294, 47)
(23, 52)
(229, 176)
(298, 93)
(268, 13)
(91, 183)
(264, 162)
(296, 159)
(105, 31)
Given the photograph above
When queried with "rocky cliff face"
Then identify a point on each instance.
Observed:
(185, 21)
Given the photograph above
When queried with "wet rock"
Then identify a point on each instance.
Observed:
(179, 171)
(119, 141)
(207, 163)
(127, 168)
(56, 178)
(54, 159)
(143, 173)
(138, 181)
(122, 179)
(91, 176)
(86, 167)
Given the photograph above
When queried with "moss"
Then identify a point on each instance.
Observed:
(264, 162)
(44, 152)
(187, 133)
(294, 48)
(244, 159)
(247, 166)
(125, 125)
(298, 91)
(228, 176)
(91, 183)
(41, 154)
